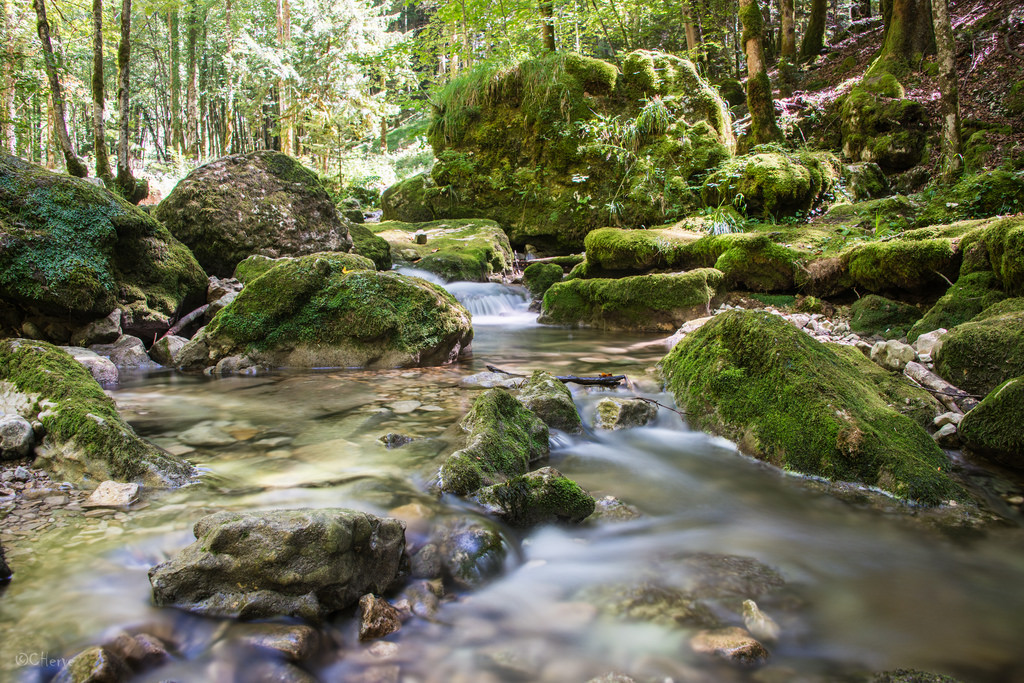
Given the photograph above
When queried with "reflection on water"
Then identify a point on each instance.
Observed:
(865, 591)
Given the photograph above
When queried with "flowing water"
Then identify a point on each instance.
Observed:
(865, 590)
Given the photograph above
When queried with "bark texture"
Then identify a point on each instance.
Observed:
(952, 152)
(763, 127)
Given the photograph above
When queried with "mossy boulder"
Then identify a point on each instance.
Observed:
(772, 183)
(456, 249)
(999, 247)
(970, 295)
(881, 126)
(874, 314)
(732, 92)
(538, 277)
(71, 252)
(503, 439)
(367, 244)
(980, 195)
(305, 564)
(902, 396)
(540, 497)
(979, 355)
(902, 265)
(316, 311)
(258, 203)
(888, 214)
(85, 440)
(790, 400)
(551, 401)
(993, 427)
(864, 181)
(254, 266)
(411, 200)
(533, 146)
(642, 302)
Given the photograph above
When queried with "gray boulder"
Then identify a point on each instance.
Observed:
(552, 402)
(5, 571)
(617, 413)
(16, 437)
(101, 368)
(165, 350)
(102, 331)
(296, 563)
(893, 355)
(126, 352)
(472, 552)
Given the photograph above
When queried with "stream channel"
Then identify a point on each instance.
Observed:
(866, 590)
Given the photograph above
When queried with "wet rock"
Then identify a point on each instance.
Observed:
(95, 665)
(551, 401)
(5, 571)
(993, 428)
(393, 440)
(732, 644)
(270, 671)
(714, 575)
(488, 380)
(616, 413)
(611, 510)
(426, 562)
(206, 435)
(16, 437)
(911, 676)
(103, 331)
(141, 652)
(256, 565)
(385, 673)
(538, 497)
(926, 343)
(472, 552)
(165, 350)
(758, 623)
(377, 618)
(947, 436)
(423, 598)
(112, 494)
(651, 602)
(101, 368)
(125, 352)
(295, 641)
(892, 355)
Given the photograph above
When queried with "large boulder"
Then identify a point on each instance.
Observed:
(72, 252)
(539, 497)
(533, 146)
(881, 126)
(452, 249)
(971, 294)
(993, 427)
(790, 400)
(316, 311)
(551, 401)
(901, 266)
(375, 248)
(874, 314)
(257, 203)
(981, 354)
(660, 302)
(772, 184)
(85, 440)
(306, 564)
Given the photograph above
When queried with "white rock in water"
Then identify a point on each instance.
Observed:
(758, 623)
(103, 369)
(112, 494)
(403, 407)
(925, 344)
(947, 419)
(947, 436)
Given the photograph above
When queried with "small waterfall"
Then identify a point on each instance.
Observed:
(492, 303)
(422, 274)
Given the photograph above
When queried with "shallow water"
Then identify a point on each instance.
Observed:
(865, 591)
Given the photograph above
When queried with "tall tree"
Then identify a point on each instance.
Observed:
(174, 66)
(99, 127)
(763, 127)
(7, 114)
(909, 35)
(192, 84)
(787, 19)
(814, 36)
(284, 37)
(130, 189)
(547, 24)
(229, 99)
(952, 152)
(76, 166)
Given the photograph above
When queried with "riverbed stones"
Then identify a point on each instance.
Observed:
(101, 368)
(893, 355)
(166, 349)
(472, 553)
(102, 331)
(377, 618)
(994, 428)
(981, 354)
(732, 644)
(650, 601)
(258, 203)
(16, 437)
(551, 401)
(94, 665)
(296, 642)
(538, 497)
(298, 563)
(794, 402)
(113, 494)
(617, 413)
(85, 439)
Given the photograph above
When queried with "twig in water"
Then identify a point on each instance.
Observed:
(660, 405)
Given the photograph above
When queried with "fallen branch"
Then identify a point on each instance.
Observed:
(953, 398)
(181, 324)
(660, 405)
(599, 380)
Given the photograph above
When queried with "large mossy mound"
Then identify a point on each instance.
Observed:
(554, 147)
(466, 249)
(902, 265)
(880, 125)
(792, 401)
(258, 203)
(254, 266)
(999, 246)
(772, 184)
(317, 311)
(74, 252)
(86, 441)
(981, 354)
(993, 427)
(641, 302)
(874, 314)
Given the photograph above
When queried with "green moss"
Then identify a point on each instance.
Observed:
(795, 403)
(409, 200)
(981, 195)
(551, 401)
(978, 356)
(254, 266)
(1015, 305)
(732, 92)
(901, 266)
(879, 126)
(773, 183)
(1004, 241)
(873, 314)
(969, 296)
(367, 244)
(641, 302)
(1014, 102)
(536, 498)
(901, 395)
(86, 440)
(464, 249)
(993, 427)
(503, 438)
(539, 276)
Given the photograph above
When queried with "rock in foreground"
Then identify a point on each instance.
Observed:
(297, 563)
(993, 428)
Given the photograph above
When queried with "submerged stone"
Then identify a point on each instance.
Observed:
(651, 602)
(472, 553)
(616, 413)
(94, 665)
(538, 497)
(732, 644)
(297, 563)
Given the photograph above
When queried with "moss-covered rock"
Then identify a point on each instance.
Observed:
(877, 216)
(616, 413)
(86, 441)
(792, 401)
(539, 497)
(772, 183)
(556, 146)
(316, 311)
(551, 401)
(732, 92)
(864, 181)
(375, 248)
(258, 203)
(880, 126)
(899, 394)
(642, 302)
(874, 314)
(72, 252)
(538, 277)
(981, 354)
(254, 266)
(463, 249)
(649, 601)
(899, 266)
(970, 295)
(503, 438)
(980, 195)
(999, 246)
(993, 427)
(411, 200)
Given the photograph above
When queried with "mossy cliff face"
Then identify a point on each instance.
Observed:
(642, 302)
(774, 183)
(74, 252)
(559, 145)
(993, 427)
(791, 401)
(503, 439)
(879, 125)
(259, 203)
(316, 311)
(983, 353)
(86, 441)
(467, 249)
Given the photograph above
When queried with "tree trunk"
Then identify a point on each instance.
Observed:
(692, 29)
(229, 102)
(192, 85)
(99, 128)
(75, 165)
(787, 18)
(952, 152)
(283, 39)
(909, 35)
(174, 66)
(7, 71)
(763, 128)
(547, 25)
(814, 37)
(130, 190)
